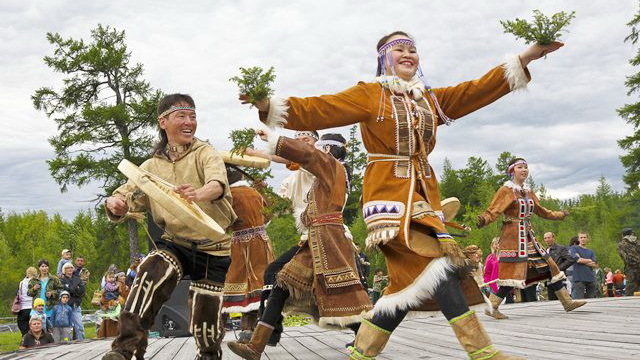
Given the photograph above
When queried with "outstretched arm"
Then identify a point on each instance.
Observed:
(501, 201)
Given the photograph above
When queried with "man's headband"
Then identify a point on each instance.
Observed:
(306, 133)
(175, 108)
(383, 49)
(512, 166)
(322, 143)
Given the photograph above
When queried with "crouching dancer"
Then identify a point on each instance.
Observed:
(322, 278)
(199, 173)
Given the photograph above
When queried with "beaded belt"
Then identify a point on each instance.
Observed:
(247, 234)
(334, 218)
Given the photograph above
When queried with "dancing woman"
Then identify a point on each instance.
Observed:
(399, 115)
(522, 260)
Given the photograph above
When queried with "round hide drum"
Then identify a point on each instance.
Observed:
(161, 192)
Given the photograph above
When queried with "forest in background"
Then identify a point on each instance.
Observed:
(27, 237)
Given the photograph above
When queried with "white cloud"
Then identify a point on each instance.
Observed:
(565, 124)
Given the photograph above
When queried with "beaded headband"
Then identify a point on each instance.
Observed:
(175, 108)
(306, 133)
(393, 43)
(322, 143)
(512, 166)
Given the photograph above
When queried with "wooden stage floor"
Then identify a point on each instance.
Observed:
(607, 328)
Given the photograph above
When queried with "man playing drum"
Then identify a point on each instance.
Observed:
(198, 171)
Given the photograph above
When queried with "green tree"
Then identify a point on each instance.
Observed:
(357, 161)
(631, 114)
(104, 112)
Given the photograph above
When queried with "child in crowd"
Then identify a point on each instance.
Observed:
(110, 289)
(38, 310)
(61, 319)
(66, 258)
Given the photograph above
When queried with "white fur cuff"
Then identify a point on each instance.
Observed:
(277, 116)
(514, 73)
(272, 140)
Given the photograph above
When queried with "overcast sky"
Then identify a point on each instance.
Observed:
(565, 124)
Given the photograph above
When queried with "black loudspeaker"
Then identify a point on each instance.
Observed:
(173, 318)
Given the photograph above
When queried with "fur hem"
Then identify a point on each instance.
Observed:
(520, 284)
(278, 112)
(304, 296)
(561, 276)
(422, 288)
(272, 140)
(242, 309)
(341, 321)
(514, 73)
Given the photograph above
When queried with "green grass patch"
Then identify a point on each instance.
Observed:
(296, 320)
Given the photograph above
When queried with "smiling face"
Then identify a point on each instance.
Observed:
(520, 173)
(180, 125)
(44, 269)
(404, 58)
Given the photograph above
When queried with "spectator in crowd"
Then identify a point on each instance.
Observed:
(61, 318)
(110, 307)
(569, 272)
(38, 311)
(599, 274)
(474, 254)
(76, 290)
(123, 288)
(113, 269)
(618, 282)
(491, 266)
(379, 282)
(608, 279)
(66, 258)
(46, 286)
(629, 251)
(26, 301)
(584, 277)
(559, 254)
(363, 265)
(80, 271)
(36, 335)
(133, 269)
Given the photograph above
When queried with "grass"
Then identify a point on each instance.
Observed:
(11, 341)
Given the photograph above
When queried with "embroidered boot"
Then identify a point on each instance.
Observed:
(370, 341)
(253, 350)
(475, 340)
(495, 303)
(567, 302)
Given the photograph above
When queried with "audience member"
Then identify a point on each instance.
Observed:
(76, 289)
(46, 286)
(629, 251)
(559, 254)
(133, 269)
(584, 279)
(80, 271)
(618, 282)
(26, 301)
(608, 280)
(38, 311)
(569, 273)
(111, 305)
(379, 282)
(66, 258)
(61, 318)
(36, 336)
(491, 266)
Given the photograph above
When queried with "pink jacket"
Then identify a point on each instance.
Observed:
(609, 278)
(491, 271)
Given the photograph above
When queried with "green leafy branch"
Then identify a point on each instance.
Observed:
(254, 83)
(543, 30)
(242, 139)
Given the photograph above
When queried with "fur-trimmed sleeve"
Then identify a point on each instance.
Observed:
(320, 112)
(469, 96)
(501, 201)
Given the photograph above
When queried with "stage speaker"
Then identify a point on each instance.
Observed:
(173, 318)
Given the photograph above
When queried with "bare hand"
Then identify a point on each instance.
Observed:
(187, 192)
(262, 105)
(36, 286)
(117, 206)
(251, 152)
(537, 51)
(262, 134)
